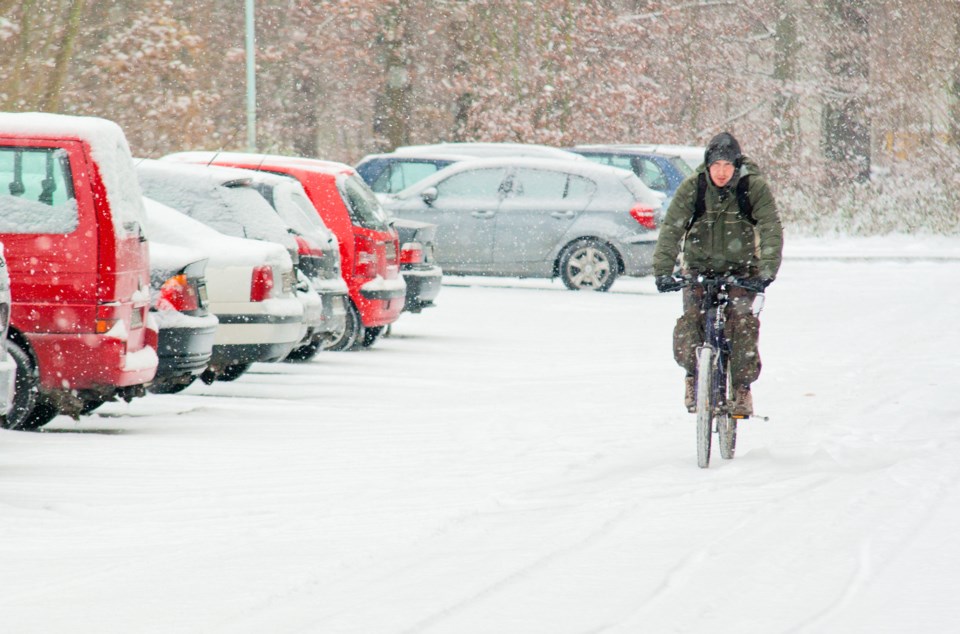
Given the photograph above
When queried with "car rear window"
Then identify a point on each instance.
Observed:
(36, 191)
(364, 208)
(681, 165)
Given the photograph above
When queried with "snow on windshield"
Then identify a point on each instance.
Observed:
(199, 192)
(167, 225)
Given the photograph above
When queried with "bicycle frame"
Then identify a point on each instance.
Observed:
(713, 304)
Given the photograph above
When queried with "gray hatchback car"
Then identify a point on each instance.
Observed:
(526, 217)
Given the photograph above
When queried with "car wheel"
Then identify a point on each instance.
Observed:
(588, 265)
(171, 388)
(30, 410)
(305, 352)
(233, 371)
(353, 332)
(371, 335)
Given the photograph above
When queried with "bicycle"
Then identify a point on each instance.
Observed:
(713, 366)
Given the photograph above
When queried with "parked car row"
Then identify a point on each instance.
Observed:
(128, 276)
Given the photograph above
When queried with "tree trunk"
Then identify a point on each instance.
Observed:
(954, 86)
(392, 110)
(785, 108)
(51, 96)
(845, 129)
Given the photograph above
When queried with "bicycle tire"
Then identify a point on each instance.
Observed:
(727, 428)
(705, 405)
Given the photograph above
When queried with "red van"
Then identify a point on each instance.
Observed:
(369, 248)
(71, 221)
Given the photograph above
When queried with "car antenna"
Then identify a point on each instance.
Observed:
(213, 158)
(263, 158)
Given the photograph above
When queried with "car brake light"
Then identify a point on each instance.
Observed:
(305, 249)
(261, 283)
(177, 293)
(644, 215)
(364, 257)
(411, 253)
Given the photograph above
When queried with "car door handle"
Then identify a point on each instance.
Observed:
(563, 215)
(483, 215)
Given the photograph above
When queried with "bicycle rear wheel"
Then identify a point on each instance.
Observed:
(705, 405)
(727, 428)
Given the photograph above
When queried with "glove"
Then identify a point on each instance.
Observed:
(754, 284)
(668, 283)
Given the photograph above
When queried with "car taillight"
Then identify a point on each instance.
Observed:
(644, 215)
(364, 257)
(411, 253)
(177, 293)
(304, 248)
(261, 283)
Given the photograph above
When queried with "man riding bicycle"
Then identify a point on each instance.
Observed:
(723, 221)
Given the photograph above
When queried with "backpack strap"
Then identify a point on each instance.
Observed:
(700, 202)
(743, 200)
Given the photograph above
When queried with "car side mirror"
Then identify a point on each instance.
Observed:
(429, 195)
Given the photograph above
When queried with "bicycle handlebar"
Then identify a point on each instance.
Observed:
(751, 284)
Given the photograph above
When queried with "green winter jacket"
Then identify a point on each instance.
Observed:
(721, 241)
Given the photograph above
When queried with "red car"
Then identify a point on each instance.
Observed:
(369, 247)
(71, 221)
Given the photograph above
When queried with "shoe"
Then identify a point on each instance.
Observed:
(743, 403)
(690, 394)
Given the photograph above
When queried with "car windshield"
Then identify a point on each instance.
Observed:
(364, 208)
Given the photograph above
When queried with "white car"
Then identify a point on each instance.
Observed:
(250, 288)
(224, 198)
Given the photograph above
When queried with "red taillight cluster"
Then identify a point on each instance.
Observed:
(411, 253)
(304, 248)
(178, 294)
(364, 257)
(644, 215)
(261, 284)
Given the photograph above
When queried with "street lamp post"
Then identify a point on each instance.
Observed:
(251, 81)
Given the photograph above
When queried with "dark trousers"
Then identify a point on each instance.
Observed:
(742, 331)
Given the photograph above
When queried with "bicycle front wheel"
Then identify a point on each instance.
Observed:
(727, 427)
(705, 405)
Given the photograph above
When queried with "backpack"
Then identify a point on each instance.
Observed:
(743, 200)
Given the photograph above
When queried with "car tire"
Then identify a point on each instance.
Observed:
(233, 371)
(351, 336)
(588, 265)
(371, 335)
(170, 388)
(306, 351)
(30, 409)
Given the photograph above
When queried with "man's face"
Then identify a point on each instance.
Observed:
(721, 172)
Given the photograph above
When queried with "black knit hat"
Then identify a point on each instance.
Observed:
(722, 147)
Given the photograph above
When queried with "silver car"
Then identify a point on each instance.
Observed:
(526, 217)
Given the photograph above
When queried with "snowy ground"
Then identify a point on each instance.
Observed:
(518, 460)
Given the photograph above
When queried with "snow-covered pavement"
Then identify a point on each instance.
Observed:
(518, 460)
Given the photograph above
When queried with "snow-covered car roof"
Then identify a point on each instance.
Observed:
(108, 148)
(220, 197)
(587, 169)
(166, 225)
(331, 167)
(479, 150)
